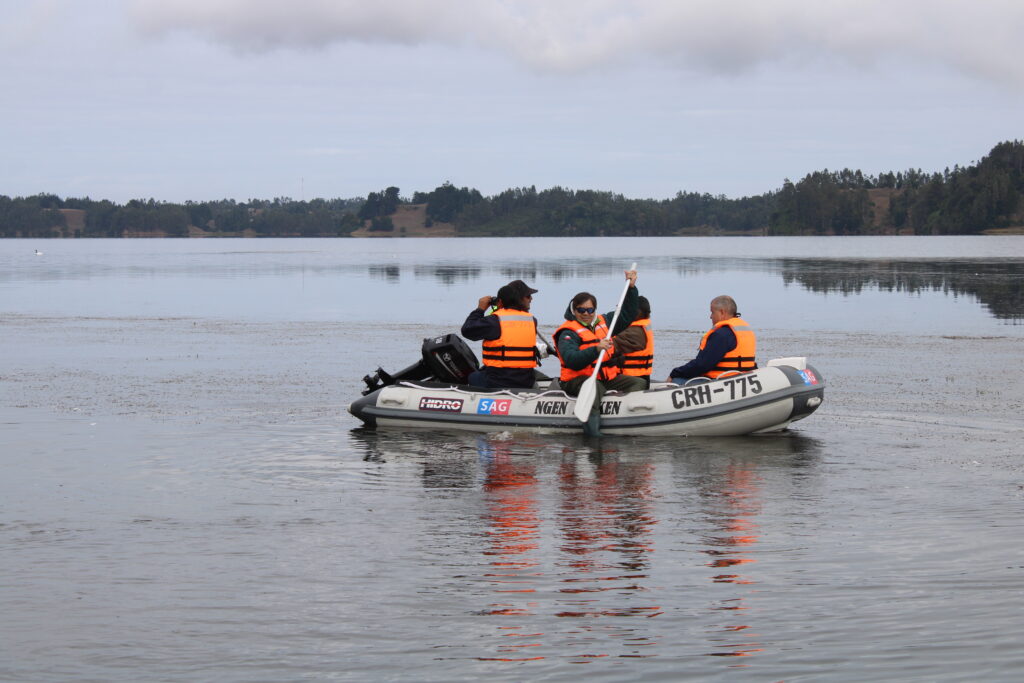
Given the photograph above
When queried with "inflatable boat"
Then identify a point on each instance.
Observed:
(432, 394)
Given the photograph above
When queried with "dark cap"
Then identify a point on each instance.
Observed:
(507, 294)
(522, 287)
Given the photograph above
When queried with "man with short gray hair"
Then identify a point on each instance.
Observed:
(729, 346)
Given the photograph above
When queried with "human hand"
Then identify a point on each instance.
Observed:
(631, 276)
(604, 344)
(484, 302)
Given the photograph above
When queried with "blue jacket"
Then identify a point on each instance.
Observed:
(720, 342)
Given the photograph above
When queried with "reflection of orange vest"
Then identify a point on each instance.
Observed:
(588, 337)
(516, 347)
(742, 357)
(639, 363)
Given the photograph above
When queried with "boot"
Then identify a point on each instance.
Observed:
(593, 425)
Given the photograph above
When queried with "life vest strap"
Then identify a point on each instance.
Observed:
(737, 360)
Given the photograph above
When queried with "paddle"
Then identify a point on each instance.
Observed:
(585, 399)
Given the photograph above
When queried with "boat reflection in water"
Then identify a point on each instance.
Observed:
(733, 503)
(605, 524)
(601, 538)
(512, 527)
(639, 548)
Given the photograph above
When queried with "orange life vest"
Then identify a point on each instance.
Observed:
(740, 358)
(640, 363)
(588, 337)
(516, 347)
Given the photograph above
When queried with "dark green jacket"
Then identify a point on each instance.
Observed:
(568, 342)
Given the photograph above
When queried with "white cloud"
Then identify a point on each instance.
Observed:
(183, 99)
(978, 37)
(26, 22)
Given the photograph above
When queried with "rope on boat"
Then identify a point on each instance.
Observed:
(526, 398)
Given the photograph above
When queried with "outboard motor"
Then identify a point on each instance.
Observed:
(449, 358)
(380, 378)
(445, 359)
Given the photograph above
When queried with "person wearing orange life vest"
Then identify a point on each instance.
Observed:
(509, 335)
(730, 345)
(582, 337)
(634, 346)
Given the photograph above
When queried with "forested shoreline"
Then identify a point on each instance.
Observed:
(982, 197)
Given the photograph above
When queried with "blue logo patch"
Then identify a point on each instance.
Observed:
(494, 406)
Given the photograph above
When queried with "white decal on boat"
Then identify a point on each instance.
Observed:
(448, 405)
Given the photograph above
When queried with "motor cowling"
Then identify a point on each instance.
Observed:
(449, 358)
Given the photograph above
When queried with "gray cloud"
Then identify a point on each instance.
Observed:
(976, 37)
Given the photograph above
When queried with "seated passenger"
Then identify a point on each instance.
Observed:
(509, 335)
(580, 340)
(730, 345)
(634, 346)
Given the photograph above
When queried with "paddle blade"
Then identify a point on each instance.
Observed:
(585, 400)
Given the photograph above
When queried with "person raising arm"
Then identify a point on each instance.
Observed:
(509, 335)
(580, 340)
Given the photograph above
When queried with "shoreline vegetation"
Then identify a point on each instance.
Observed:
(984, 198)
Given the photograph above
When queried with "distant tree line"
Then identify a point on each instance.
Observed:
(964, 200)
(50, 216)
(30, 217)
(378, 208)
(564, 212)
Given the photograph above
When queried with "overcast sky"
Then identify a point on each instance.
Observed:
(211, 99)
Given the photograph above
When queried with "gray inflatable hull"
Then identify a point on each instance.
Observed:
(766, 400)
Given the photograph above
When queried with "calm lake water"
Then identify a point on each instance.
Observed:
(185, 498)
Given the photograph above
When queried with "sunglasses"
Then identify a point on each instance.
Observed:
(585, 309)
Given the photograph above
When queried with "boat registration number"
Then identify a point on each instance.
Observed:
(729, 389)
